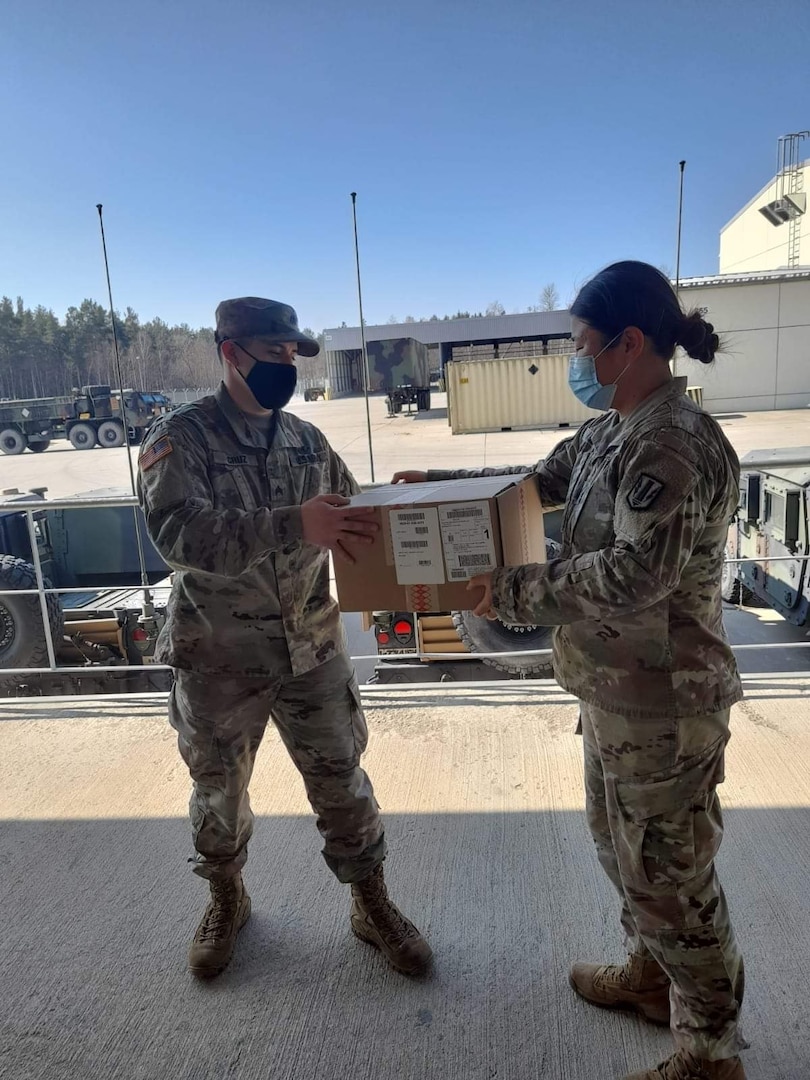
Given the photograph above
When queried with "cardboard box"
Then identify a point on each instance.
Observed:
(434, 537)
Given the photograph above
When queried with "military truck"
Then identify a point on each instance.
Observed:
(91, 416)
(771, 534)
(401, 368)
(104, 621)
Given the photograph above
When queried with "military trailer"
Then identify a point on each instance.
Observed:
(92, 416)
(103, 622)
(397, 367)
(401, 368)
(771, 534)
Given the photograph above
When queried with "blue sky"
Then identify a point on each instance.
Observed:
(495, 147)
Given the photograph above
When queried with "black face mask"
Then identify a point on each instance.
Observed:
(270, 383)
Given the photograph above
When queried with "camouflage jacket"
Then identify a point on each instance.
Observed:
(635, 595)
(249, 596)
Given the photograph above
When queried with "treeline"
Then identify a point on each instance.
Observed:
(42, 356)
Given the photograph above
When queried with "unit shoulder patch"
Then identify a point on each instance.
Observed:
(644, 492)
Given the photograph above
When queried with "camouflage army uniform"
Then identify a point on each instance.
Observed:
(635, 598)
(251, 629)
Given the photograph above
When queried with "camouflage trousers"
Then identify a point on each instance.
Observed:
(220, 722)
(654, 813)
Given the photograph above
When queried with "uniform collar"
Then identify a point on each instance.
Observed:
(675, 388)
(245, 432)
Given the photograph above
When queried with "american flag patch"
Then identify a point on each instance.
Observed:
(159, 449)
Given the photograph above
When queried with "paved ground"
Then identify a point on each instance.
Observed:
(419, 442)
(482, 795)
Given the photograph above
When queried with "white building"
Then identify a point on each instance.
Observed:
(751, 243)
(764, 319)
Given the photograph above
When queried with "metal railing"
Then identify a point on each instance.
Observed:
(33, 508)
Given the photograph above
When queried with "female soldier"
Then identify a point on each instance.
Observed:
(649, 488)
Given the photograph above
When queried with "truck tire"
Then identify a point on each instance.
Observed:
(423, 401)
(82, 437)
(22, 635)
(135, 436)
(12, 442)
(111, 433)
(482, 635)
(732, 589)
(38, 446)
(734, 592)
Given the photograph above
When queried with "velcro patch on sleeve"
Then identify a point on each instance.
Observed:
(161, 448)
(644, 492)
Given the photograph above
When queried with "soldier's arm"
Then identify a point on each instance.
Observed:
(553, 473)
(177, 500)
(659, 516)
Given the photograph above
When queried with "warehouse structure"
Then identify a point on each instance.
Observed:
(764, 320)
(531, 334)
(759, 303)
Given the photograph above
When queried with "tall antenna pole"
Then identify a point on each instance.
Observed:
(148, 610)
(682, 165)
(366, 377)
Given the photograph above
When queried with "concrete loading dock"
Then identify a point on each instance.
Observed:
(483, 798)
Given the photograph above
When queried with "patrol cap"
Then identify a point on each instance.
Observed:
(251, 316)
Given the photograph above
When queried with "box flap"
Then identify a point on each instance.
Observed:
(437, 491)
(521, 517)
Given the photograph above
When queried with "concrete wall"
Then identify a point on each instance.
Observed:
(750, 243)
(767, 330)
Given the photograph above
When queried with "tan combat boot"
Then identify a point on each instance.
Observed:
(377, 920)
(684, 1066)
(639, 985)
(228, 911)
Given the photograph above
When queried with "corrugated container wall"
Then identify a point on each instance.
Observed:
(493, 395)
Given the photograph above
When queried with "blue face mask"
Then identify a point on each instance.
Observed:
(585, 385)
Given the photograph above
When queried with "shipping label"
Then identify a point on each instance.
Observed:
(417, 544)
(468, 539)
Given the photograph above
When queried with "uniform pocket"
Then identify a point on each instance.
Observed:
(358, 717)
(669, 825)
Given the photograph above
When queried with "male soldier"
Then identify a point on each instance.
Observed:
(245, 501)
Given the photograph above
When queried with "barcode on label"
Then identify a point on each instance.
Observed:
(461, 574)
(413, 545)
(466, 512)
(425, 562)
(411, 517)
(473, 560)
(421, 530)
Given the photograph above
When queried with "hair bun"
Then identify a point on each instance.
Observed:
(697, 338)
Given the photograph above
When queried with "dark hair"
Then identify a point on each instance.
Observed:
(636, 294)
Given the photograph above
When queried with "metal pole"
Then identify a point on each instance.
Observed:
(43, 599)
(366, 377)
(148, 609)
(682, 165)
